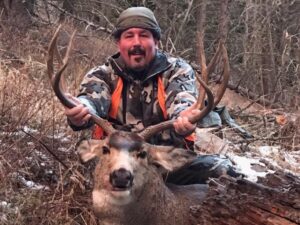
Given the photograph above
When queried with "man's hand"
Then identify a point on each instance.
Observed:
(79, 115)
(182, 125)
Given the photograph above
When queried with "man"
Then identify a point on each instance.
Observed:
(139, 63)
(140, 86)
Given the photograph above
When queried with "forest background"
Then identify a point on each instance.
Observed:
(262, 38)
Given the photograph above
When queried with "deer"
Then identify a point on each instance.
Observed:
(129, 186)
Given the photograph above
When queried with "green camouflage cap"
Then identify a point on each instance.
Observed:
(140, 17)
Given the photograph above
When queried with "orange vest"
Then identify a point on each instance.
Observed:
(115, 102)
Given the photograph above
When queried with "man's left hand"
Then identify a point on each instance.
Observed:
(182, 125)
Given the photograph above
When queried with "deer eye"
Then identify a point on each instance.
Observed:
(142, 154)
(105, 150)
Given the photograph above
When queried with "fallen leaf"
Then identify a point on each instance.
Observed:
(281, 119)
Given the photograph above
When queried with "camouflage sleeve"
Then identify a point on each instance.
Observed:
(181, 88)
(95, 93)
(96, 90)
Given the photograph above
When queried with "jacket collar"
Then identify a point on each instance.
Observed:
(158, 66)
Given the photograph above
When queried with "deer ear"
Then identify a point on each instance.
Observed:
(169, 157)
(88, 149)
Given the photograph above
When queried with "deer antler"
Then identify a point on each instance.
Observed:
(55, 80)
(151, 130)
(221, 90)
(207, 70)
(220, 52)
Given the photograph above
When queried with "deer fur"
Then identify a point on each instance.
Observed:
(149, 200)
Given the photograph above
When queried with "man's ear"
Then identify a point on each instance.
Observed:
(156, 43)
(88, 149)
(117, 42)
(169, 157)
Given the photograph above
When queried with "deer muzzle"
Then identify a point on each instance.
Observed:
(121, 179)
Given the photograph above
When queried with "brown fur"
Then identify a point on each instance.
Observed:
(151, 201)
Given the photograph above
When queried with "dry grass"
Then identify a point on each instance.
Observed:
(35, 188)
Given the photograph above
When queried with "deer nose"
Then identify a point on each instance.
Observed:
(121, 178)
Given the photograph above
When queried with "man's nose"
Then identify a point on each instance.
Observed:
(136, 40)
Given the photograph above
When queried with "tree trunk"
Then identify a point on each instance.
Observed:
(68, 6)
(274, 200)
(16, 15)
(30, 6)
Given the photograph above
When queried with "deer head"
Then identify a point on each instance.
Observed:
(128, 167)
(128, 164)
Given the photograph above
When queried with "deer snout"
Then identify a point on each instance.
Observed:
(121, 179)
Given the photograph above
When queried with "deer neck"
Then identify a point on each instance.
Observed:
(156, 205)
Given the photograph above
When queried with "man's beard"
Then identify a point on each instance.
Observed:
(140, 53)
(136, 50)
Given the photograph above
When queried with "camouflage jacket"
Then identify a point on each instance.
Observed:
(139, 105)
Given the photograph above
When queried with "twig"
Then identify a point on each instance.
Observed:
(46, 148)
(47, 11)
(257, 185)
(248, 106)
(262, 139)
(190, 4)
(74, 172)
(251, 95)
(89, 23)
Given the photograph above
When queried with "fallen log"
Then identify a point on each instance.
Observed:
(274, 200)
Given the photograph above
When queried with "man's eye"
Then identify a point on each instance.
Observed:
(142, 154)
(105, 150)
(144, 35)
(128, 36)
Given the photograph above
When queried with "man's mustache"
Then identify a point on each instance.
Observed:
(136, 50)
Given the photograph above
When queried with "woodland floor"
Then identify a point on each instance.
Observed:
(38, 188)
(41, 179)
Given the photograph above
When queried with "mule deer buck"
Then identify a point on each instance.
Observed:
(129, 187)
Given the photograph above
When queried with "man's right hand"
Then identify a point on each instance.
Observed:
(79, 115)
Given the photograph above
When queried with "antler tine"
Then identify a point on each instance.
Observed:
(55, 79)
(204, 73)
(226, 73)
(206, 70)
(66, 58)
(51, 49)
(209, 106)
(213, 62)
(151, 130)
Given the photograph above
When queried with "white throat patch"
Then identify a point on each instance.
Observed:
(102, 198)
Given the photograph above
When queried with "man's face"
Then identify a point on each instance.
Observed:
(137, 47)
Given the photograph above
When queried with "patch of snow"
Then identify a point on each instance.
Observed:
(268, 150)
(7, 208)
(14, 134)
(244, 164)
(63, 149)
(32, 185)
(66, 139)
(289, 161)
(30, 143)
(49, 172)
(29, 130)
(61, 136)
(19, 133)
(291, 158)
(29, 158)
(4, 204)
(42, 155)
